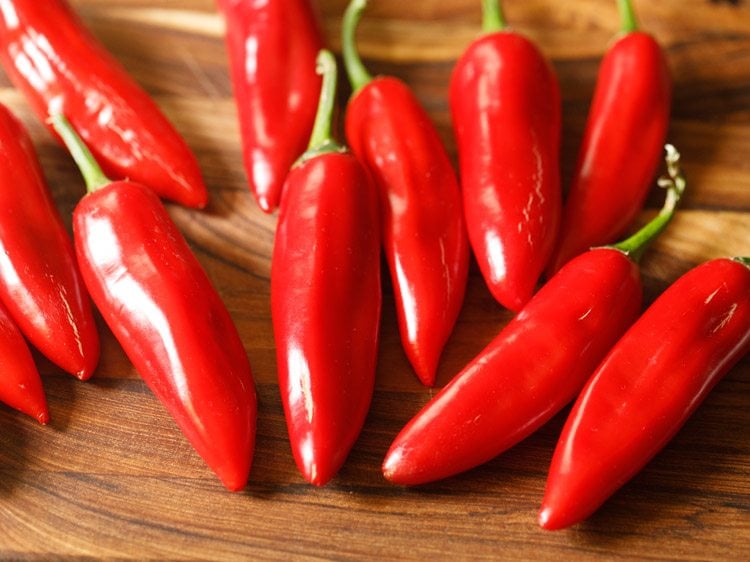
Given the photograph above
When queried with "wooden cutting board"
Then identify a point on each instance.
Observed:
(111, 476)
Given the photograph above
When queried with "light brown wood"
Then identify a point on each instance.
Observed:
(113, 477)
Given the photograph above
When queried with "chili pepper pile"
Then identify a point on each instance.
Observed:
(634, 378)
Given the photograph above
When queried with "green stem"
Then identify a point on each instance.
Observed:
(628, 20)
(674, 183)
(90, 170)
(358, 75)
(492, 16)
(743, 260)
(321, 140)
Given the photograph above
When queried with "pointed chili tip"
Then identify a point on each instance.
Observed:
(318, 475)
(265, 205)
(550, 519)
(396, 469)
(234, 481)
(545, 519)
(43, 417)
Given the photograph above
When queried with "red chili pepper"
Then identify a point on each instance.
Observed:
(421, 213)
(619, 156)
(325, 296)
(61, 68)
(505, 103)
(534, 367)
(272, 47)
(162, 308)
(20, 385)
(39, 280)
(647, 387)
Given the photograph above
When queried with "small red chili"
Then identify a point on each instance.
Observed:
(424, 236)
(61, 68)
(20, 385)
(535, 365)
(272, 47)
(648, 386)
(619, 155)
(161, 307)
(505, 103)
(40, 284)
(326, 296)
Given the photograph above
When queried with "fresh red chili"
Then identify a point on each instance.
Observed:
(61, 68)
(505, 103)
(272, 47)
(326, 297)
(40, 285)
(619, 155)
(162, 308)
(647, 387)
(20, 385)
(534, 367)
(421, 212)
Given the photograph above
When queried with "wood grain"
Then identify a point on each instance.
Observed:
(112, 477)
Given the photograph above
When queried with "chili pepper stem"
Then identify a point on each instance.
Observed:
(629, 22)
(492, 16)
(355, 69)
(92, 173)
(674, 182)
(321, 140)
(743, 260)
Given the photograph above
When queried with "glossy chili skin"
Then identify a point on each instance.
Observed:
(530, 371)
(506, 110)
(424, 235)
(647, 387)
(171, 322)
(20, 385)
(621, 146)
(61, 68)
(325, 302)
(40, 285)
(272, 47)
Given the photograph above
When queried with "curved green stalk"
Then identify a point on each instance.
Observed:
(628, 20)
(674, 182)
(358, 74)
(743, 260)
(492, 16)
(90, 170)
(321, 140)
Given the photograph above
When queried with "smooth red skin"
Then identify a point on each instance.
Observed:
(424, 235)
(647, 387)
(528, 373)
(61, 68)
(20, 385)
(171, 322)
(621, 149)
(275, 86)
(506, 109)
(40, 285)
(325, 303)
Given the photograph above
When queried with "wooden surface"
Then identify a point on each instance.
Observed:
(113, 477)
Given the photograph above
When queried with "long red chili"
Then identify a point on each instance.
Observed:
(505, 103)
(421, 212)
(61, 68)
(534, 367)
(40, 285)
(648, 386)
(162, 308)
(326, 297)
(619, 155)
(20, 385)
(272, 47)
